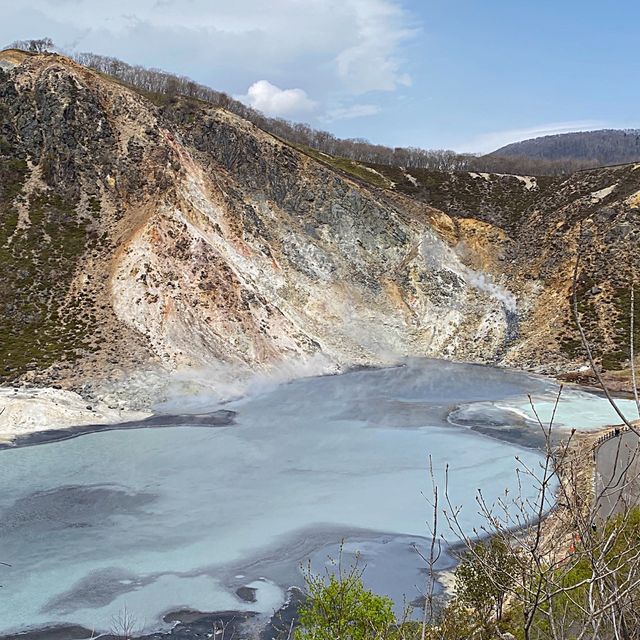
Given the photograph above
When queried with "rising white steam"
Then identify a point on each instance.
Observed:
(483, 282)
(207, 388)
(439, 255)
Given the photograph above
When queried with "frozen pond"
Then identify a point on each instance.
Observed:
(181, 517)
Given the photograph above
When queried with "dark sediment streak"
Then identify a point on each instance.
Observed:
(62, 632)
(221, 418)
(190, 625)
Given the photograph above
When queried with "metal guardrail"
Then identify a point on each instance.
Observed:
(612, 433)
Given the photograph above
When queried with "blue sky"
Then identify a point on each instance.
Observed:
(460, 74)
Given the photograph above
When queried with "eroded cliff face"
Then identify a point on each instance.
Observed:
(142, 237)
(530, 230)
(180, 237)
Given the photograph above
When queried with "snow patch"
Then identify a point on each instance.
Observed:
(372, 170)
(411, 179)
(633, 200)
(390, 183)
(529, 182)
(484, 176)
(597, 196)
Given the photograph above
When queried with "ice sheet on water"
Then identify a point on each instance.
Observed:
(490, 414)
(161, 519)
(576, 409)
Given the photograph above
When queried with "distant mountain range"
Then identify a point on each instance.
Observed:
(602, 147)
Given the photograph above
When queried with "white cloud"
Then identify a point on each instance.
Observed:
(334, 47)
(487, 142)
(372, 62)
(273, 101)
(311, 57)
(352, 111)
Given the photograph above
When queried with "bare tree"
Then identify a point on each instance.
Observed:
(431, 558)
(223, 630)
(574, 570)
(163, 83)
(39, 45)
(632, 358)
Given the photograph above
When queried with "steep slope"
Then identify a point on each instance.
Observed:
(594, 213)
(137, 237)
(546, 222)
(140, 237)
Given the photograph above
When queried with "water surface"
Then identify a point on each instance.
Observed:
(162, 519)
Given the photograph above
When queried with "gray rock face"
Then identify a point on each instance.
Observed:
(205, 241)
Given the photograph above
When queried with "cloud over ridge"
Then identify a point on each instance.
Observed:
(274, 101)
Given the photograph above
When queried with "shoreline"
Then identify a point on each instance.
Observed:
(214, 419)
(219, 418)
(31, 415)
(67, 414)
(191, 625)
(29, 410)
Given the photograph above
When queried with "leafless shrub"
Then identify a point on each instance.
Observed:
(124, 625)
(37, 45)
(574, 569)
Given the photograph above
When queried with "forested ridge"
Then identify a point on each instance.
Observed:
(159, 83)
(602, 147)
(549, 155)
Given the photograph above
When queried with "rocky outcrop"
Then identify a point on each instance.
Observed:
(174, 236)
(535, 227)
(168, 235)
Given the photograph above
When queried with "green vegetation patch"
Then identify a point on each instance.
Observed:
(38, 258)
(352, 168)
(621, 299)
(606, 322)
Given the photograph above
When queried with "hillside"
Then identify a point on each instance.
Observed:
(538, 224)
(143, 238)
(603, 147)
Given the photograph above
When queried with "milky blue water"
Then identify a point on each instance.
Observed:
(162, 519)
